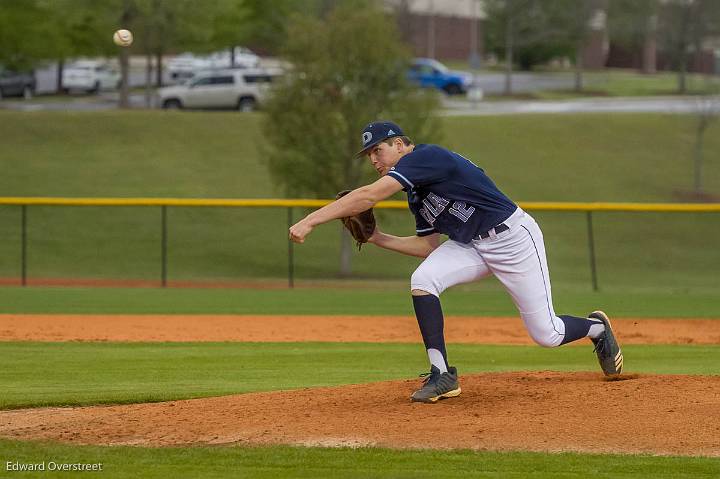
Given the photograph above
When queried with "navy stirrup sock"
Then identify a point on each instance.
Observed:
(430, 319)
(575, 328)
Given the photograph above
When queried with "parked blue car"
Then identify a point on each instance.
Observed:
(429, 73)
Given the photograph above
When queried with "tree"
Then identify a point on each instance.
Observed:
(177, 25)
(231, 25)
(348, 69)
(80, 28)
(683, 26)
(262, 24)
(679, 20)
(633, 24)
(576, 16)
(24, 35)
(265, 21)
(528, 32)
(86, 28)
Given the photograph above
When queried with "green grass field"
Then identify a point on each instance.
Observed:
(611, 82)
(294, 462)
(387, 298)
(645, 158)
(621, 83)
(649, 265)
(101, 373)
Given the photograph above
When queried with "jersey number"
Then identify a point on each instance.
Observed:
(433, 205)
(462, 211)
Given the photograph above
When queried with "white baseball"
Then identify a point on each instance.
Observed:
(123, 38)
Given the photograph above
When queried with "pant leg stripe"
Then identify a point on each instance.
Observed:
(537, 253)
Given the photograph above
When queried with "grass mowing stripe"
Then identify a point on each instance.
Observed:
(295, 462)
(43, 374)
(486, 299)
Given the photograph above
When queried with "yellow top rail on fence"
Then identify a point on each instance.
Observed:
(288, 203)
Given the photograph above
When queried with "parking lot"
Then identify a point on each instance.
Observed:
(491, 83)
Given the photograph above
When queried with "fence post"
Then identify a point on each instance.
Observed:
(23, 245)
(291, 257)
(163, 246)
(591, 247)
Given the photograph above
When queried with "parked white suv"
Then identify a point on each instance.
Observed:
(90, 76)
(241, 89)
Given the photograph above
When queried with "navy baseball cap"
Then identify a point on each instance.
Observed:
(376, 132)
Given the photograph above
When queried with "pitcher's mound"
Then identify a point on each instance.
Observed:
(538, 411)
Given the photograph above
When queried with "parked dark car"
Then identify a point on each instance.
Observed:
(16, 83)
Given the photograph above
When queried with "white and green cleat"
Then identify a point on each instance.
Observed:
(607, 348)
(438, 386)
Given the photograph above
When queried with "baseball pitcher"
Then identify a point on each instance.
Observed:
(487, 234)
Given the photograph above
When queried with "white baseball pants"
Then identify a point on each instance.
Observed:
(516, 257)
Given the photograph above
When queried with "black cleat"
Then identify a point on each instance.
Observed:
(437, 386)
(607, 348)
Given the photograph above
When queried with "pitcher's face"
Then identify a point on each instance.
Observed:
(383, 156)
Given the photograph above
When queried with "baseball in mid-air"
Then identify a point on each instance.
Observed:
(123, 38)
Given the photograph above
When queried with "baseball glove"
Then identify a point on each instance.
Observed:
(361, 226)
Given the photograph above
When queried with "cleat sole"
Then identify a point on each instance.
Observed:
(434, 399)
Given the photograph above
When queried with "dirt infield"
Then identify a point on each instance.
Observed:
(536, 411)
(395, 329)
(542, 411)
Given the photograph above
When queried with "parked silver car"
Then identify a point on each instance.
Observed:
(186, 65)
(90, 76)
(16, 83)
(241, 89)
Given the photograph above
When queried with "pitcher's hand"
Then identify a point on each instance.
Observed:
(299, 231)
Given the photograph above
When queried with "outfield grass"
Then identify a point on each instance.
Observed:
(486, 298)
(300, 462)
(160, 154)
(629, 83)
(652, 249)
(70, 373)
(614, 83)
(215, 155)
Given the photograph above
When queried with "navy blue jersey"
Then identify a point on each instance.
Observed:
(449, 194)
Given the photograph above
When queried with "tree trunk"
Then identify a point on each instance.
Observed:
(159, 70)
(148, 80)
(508, 56)
(405, 25)
(345, 253)
(682, 76)
(682, 46)
(59, 81)
(431, 31)
(579, 66)
(649, 56)
(125, 76)
(128, 13)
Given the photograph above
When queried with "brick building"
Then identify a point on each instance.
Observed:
(453, 29)
(447, 29)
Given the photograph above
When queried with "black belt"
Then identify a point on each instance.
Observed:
(498, 229)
